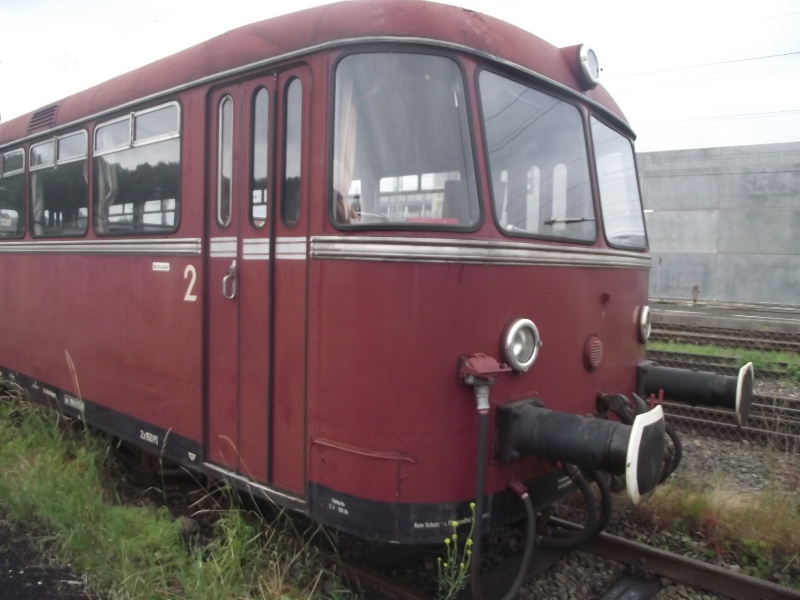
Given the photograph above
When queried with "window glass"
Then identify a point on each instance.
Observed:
(259, 206)
(225, 161)
(58, 187)
(71, 147)
(402, 150)
(113, 136)
(12, 181)
(137, 188)
(537, 157)
(290, 200)
(156, 123)
(43, 154)
(13, 161)
(619, 191)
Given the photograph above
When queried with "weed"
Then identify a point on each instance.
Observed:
(55, 479)
(757, 529)
(454, 569)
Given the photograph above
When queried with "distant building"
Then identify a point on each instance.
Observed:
(724, 223)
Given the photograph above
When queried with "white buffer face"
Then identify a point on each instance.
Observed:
(645, 453)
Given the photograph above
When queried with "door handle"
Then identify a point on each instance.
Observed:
(229, 282)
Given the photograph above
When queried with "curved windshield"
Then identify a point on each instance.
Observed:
(619, 192)
(537, 157)
(402, 153)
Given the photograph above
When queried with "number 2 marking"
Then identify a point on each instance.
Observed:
(190, 273)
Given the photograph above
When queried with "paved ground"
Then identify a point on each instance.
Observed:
(26, 574)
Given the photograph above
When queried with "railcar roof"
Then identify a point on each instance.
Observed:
(295, 32)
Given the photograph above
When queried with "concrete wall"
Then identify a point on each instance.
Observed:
(726, 220)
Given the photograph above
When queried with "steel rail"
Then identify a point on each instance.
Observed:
(689, 571)
(374, 579)
(727, 337)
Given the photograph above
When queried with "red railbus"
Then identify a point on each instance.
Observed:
(335, 256)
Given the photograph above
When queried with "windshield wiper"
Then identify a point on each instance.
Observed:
(569, 221)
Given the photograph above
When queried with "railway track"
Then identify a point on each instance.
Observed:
(689, 571)
(788, 342)
(774, 420)
(723, 365)
(710, 578)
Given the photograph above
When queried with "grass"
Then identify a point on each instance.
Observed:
(758, 530)
(55, 478)
(786, 362)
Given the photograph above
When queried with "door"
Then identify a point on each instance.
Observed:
(256, 422)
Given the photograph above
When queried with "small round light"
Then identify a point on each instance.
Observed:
(590, 66)
(645, 323)
(521, 343)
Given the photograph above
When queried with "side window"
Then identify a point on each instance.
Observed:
(12, 188)
(619, 191)
(59, 191)
(290, 200)
(259, 201)
(225, 161)
(137, 172)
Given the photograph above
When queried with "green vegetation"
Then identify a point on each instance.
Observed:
(454, 569)
(54, 478)
(759, 530)
(787, 363)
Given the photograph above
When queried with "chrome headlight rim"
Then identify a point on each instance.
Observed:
(589, 66)
(645, 323)
(520, 364)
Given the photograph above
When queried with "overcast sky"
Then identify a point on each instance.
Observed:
(687, 73)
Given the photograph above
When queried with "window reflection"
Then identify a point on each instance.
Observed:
(58, 184)
(619, 191)
(402, 150)
(136, 190)
(12, 181)
(537, 157)
(290, 201)
(225, 161)
(260, 153)
(137, 179)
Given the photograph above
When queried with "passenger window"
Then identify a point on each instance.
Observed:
(137, 173)
(59, 191)
(225, 161)
(619, 191)
(402, 149)
(259, 204)
(12, 186)
(290, 201)
(537, 156)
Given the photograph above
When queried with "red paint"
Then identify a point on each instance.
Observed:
(340, 372)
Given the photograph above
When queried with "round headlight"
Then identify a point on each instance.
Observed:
(644, 323)
(590, 66)
(521, 343)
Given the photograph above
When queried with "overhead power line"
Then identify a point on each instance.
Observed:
(723, 117)
(700, 66)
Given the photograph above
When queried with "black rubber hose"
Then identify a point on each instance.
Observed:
(596, 517)
(677, 452)
(530, 544)
(605, 500)
(480, 503)
(626, 415)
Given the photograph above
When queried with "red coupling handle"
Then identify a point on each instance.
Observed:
(518, 488)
